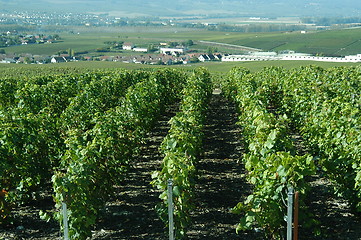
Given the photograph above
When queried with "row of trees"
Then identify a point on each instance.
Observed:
(328, 21)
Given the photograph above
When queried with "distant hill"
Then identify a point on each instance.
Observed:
(262, 8)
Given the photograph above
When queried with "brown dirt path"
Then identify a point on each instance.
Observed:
(220, 186)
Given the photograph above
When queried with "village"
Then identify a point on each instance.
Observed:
(13, 38)
(162, 54)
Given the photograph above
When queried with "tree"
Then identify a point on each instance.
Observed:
(211, 50)
(2, 51)
(2, 43)
(62, 52)
(189, 43)
(194, 59)
(151, 48)
(71, 52)
(173, 44)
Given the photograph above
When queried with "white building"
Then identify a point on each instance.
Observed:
(354, 58)
(246, 58)
(8, 60)
(58, 60)
(288, 56)
(128, 46)
(171, 50)
(140, 49)
(264, 54)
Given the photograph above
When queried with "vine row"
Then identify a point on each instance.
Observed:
(181, 149)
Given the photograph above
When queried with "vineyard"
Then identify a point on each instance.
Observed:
(105, 144)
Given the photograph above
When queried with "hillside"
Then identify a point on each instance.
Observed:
(272, 8)
(330, 43)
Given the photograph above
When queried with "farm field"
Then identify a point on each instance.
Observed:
(89, 40)
(105, 141)
(329, 43)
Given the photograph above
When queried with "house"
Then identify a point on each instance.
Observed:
(211, 57)
(203, 58)
(186, 60)
(137, 60)
(20, 60)
(68, 59)
(40, 59)
(8, 60)
(287, 52)
(106, 58)
(169, 62)
(218, 57)
(58, 60)
(76, 59)
(128, 46)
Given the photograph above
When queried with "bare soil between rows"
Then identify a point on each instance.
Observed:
(131, 215)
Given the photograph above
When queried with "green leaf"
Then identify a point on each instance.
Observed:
(338, 135)
(44, 216)
(242, 226)
(238, 209)
(176, 191)
(273, 135)
(252, 147)
(281, 170)
(172, 143)
(249, 199)
(269, 143)
(163, 196)
(250, 220)
(155, 174)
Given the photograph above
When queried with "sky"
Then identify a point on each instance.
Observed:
(320, 8)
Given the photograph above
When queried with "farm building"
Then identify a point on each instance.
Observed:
(136, 49)
(128, 46)
(171, 51)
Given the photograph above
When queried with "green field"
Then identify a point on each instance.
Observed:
(214, 67)
(331, 42)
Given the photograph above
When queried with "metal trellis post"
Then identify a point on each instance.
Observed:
(170, 209)
(65, 222)
(289, 213)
